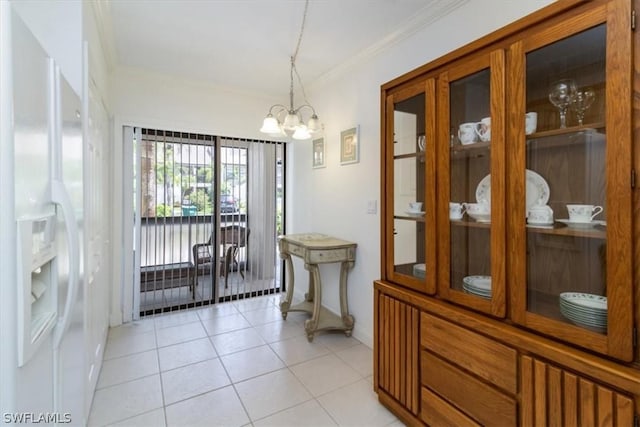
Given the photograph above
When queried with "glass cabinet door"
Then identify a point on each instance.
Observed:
(410, 178)
(471, 183)
(572, 209)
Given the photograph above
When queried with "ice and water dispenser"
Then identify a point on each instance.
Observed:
(37, 275)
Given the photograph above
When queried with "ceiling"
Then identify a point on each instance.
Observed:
(246, 44)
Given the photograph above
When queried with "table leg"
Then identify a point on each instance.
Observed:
(310, 293)
(286, 303)
(347, 319)
(311, 325)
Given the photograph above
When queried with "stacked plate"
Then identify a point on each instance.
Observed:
(586, 310)
(477, 285)
(419, 270)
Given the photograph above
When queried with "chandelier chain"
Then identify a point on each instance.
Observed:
(295, 56)
(304, 20)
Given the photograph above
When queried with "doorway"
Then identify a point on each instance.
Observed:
(207, 213)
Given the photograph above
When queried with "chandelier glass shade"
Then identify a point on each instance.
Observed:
(282, 121)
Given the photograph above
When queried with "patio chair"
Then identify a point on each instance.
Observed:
(232, 238)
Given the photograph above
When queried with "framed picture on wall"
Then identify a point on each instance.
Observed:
(318, 153)
(349, 146)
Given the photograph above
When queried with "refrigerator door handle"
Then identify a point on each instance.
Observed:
(60, 196)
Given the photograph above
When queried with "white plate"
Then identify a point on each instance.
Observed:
(481, 283)
(412, 213)
(597, 302)
(537, 190)
(582, 224)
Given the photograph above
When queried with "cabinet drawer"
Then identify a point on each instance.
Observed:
(484, 357)
(479, 400)
(437, 412)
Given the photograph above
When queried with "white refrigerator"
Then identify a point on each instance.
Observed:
(43, 374)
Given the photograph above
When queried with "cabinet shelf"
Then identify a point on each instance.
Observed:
(568, 136)
(478, 149)
(419, 155)
(597, 232)
(470, 223)
(410, 218)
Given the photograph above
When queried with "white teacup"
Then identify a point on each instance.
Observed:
(456, 210)
(467, 133)
(583, 213)
(415, 206)
(542, 214)
(530, 122)
(483, 129)
(478, 208)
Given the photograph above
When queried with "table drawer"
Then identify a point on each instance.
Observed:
(475, 398)
(488, 359)
(438, 412)
(334, 255)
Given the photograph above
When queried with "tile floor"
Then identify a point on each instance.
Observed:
(234, 364)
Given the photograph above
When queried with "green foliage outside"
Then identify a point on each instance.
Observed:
(163, 210)
(201, 199)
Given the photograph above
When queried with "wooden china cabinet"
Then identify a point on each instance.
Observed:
(500, 318)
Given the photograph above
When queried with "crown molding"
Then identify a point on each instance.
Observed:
(433, 11)
(104, 24)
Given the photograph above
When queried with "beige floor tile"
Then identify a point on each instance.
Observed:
(280, 330)
(177, 355)
(181, 333)
(123, 345)
(325, 374)
(153, 418)
(222, 324)
(356, 404)
(359, 357)
(220, 407)
(125, 400)
(263, 315)
(216, 310)
(297, 350)
(175, 319)
(308, 414)
(270, 393)
(127, 368)
(251, 363)
(191, 380)
(335, 340)
(234, 341)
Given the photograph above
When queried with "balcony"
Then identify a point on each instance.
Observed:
(168, 279)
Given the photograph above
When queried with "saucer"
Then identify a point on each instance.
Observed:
(574, 224)
(415, 213)
(540, 224)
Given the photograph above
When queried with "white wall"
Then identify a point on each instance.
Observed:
(335, 198)
(331, 200)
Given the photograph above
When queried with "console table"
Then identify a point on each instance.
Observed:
(315, 249)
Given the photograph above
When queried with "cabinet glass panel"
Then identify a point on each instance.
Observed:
(470, 184)
(565, 180)
(408, 186)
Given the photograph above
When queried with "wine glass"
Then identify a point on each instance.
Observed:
(561, 94)
(581, 101)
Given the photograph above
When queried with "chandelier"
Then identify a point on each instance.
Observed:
(285, 121)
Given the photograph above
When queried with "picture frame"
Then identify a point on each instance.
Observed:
(318, 153)
(349, 146)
